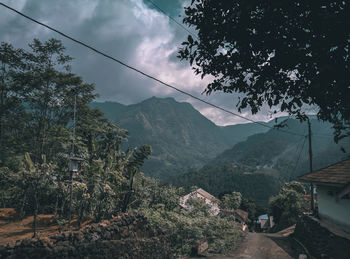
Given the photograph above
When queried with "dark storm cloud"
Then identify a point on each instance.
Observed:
(129, 30)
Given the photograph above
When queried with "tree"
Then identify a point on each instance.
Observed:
(249, 205)
(133, 167)
(12, 113)
(289, 54)
(52, 90)
(231, 201)
(288, 204)
(37, 96)
(37, 179)
(293, 185)
(186, 226)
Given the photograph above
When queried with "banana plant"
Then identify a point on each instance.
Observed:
(133, 167)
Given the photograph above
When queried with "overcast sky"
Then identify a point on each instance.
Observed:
(130, 30)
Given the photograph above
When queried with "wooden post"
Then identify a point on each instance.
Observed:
(310, 160)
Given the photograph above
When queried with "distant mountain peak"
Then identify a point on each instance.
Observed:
(160, 99)
(181, 137)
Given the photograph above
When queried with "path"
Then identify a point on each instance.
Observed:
(261, 246)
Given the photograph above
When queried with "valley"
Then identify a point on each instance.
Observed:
(190, 150)
(181, 137)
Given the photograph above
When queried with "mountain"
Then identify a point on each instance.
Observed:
(255, 167)
(180, 136)
(278, 150)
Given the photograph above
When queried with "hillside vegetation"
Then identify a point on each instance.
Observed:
(180, 136)
(41, 185)
(288, 154)
(256, 167)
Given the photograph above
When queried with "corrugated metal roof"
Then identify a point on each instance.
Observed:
(338, 173)
(243, 214)
(261, 217)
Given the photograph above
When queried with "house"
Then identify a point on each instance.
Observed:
(237, 215)
(241, 215)
(265, 222)
(207, 197)
(333, 193)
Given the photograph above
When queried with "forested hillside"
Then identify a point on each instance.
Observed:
(288, 154)
(220, 179)
(180, 136)
(256, 167)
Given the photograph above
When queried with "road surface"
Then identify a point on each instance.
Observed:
(261, 246)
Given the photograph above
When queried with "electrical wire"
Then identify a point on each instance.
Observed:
(320, 135)
(173, 19)
(143, 73)
(183, 27)
(301, 151)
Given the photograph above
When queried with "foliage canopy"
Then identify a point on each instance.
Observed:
(288, 204)
(37, 93)
(284, 53)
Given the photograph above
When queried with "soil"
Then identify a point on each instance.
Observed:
(12, 228)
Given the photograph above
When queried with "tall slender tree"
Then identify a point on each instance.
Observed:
(52, 86)
(12, 112)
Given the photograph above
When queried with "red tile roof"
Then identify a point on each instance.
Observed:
(338, 173)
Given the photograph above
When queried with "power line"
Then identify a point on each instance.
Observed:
(171, 18)
(143, 73)
(323, 136)
(174, 20)
(296, 144)
(301, 151)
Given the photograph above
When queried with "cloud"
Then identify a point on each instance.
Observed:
(129, 30)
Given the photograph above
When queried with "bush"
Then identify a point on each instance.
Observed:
(186, 227)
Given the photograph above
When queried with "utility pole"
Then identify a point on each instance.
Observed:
(310, 159)
(71, 167)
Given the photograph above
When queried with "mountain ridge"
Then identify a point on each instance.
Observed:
(181, 137)
(266, 160)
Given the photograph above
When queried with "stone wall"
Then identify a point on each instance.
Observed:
(320, 242)
(126, 236)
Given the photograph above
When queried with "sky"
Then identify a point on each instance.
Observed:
(132, 31)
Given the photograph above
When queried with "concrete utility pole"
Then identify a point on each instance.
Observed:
(71, 167)
(310, 159)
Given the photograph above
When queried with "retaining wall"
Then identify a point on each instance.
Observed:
(126, 236)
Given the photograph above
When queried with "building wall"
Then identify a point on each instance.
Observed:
(214, 207)
(330, 209)
(264, 224)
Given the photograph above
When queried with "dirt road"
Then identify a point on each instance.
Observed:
(262, 246)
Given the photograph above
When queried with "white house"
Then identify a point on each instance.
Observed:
(207, 197)
(333, 193)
